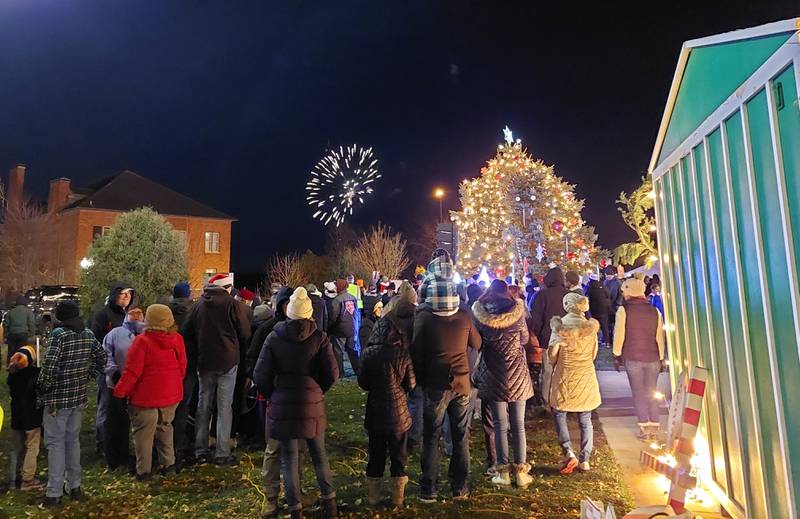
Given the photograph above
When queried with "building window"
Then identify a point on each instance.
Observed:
(100, 230)
(212, 242)
(106, 230)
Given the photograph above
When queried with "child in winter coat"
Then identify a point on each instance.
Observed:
(26, 418)
(388, 375)
(574, 387)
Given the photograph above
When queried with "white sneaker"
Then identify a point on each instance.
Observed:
(503, 478)
(584, 466)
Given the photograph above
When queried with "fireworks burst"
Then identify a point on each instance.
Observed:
(339, 181)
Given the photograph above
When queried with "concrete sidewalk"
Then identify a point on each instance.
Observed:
(619, 424)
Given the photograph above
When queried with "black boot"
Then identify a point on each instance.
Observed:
(329, 509)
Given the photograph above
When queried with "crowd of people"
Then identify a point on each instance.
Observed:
(191, 380)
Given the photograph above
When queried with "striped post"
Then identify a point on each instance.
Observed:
(685, 447)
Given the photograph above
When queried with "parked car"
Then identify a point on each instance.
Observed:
(43, 300)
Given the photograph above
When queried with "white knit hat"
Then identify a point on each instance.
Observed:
(299, 305)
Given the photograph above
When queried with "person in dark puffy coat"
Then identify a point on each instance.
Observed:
(548, 304)
(153, 383)
(294, 370)
(261, 333)
(320, 308)
(388, 375)
(502, 375)
(600, 307)
(26, 417)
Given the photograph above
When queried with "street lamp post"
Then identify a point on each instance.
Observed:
(439, 193)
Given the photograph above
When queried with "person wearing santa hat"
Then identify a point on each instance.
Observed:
(216, 329)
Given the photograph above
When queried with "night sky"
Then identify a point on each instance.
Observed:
(234, 102)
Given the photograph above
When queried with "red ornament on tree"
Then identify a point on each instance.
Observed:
(558, 226)
(571, 256)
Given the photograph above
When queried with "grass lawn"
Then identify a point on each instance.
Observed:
(211, 491)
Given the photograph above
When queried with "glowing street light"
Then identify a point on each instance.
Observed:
(439, 193)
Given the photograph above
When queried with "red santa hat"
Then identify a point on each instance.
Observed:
(221, 280)
(246, 294)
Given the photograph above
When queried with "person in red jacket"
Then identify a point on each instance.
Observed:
(153, 383)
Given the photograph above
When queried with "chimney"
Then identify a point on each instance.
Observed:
(59, 193)
(16, 184)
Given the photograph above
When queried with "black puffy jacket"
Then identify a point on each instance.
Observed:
(549, 303)
(295, 369)
(504, 331)
(111, 315)
(599, 300)
(263, 331)
(387, 373)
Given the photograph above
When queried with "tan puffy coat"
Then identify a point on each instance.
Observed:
(573, 347)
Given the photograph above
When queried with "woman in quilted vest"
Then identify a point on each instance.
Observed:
(574, 387)
(502, 375)
(153, 383)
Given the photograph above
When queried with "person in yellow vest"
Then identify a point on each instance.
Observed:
(354, 290)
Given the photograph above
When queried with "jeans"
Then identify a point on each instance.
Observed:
(643, 377)
(149, 424)
(22, 463)
(416, 406)
(487, 421)
(587, 434)
(379, 444)
(102, 412)
(117, 431)
(180, 440)
(456, 406)
(509, 415)
(604, 327)
(222, 385)
(62, 430)
(342, 345)
(290, 469)
(547, 376)
(356, 338)
(271, 466)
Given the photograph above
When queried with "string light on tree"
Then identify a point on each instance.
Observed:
(339, 181)
(519, 212)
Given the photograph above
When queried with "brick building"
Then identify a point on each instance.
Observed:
(81, 214)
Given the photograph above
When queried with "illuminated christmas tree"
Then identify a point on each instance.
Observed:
(519, 216)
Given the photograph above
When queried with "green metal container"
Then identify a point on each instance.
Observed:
(726, 175)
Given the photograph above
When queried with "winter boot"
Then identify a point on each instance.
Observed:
(398, 490)
(374, 490)
(503, 477)
(329, 509)
(521, 476)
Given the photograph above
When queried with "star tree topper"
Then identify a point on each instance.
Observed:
(508, 135)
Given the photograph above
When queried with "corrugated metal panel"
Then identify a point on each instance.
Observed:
(725, 213)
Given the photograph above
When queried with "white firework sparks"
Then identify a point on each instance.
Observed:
(339, 181)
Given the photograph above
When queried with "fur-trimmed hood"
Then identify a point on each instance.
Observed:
(499, 321)
(574, 326)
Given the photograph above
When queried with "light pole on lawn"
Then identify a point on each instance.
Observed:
(439, 193)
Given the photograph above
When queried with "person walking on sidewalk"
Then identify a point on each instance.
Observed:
(503, 380)
(574, 387)
(443, 331)
(153, 383)
(388, 375)
(216, 328)
(639, 343)
(294, 370)
(19, 326)
(73, 357)
(117, 344)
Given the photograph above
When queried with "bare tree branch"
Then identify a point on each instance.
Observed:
(286, 270)
(381, 251)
